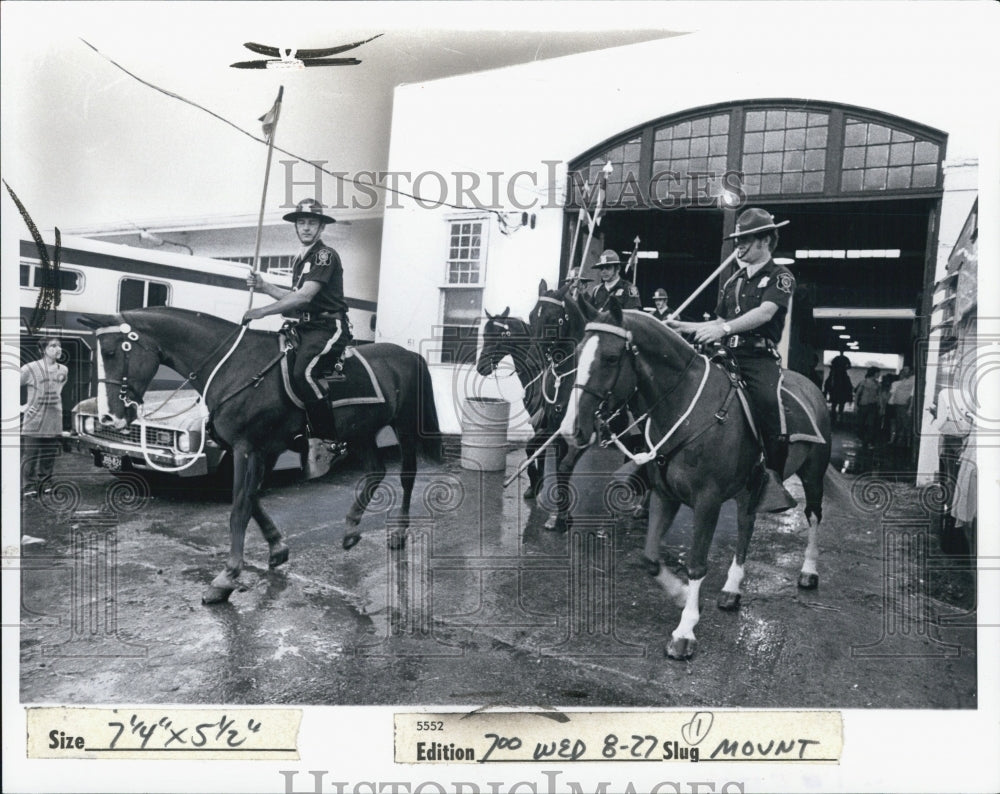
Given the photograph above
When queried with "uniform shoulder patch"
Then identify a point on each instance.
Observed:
(785, 282)
(633, 291)
(323, 257)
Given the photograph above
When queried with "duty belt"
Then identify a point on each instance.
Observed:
(308, 317)
(745, 342)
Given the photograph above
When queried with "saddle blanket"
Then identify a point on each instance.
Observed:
(797, 420)
(361, 387)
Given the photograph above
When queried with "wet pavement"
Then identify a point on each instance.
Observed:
(483, 606)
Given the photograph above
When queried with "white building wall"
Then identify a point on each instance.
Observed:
(518, 118)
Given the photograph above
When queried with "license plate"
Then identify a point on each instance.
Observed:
(111, 462)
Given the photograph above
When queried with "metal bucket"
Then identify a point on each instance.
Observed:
(484, 433)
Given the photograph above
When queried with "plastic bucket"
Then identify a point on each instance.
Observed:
(484, 433)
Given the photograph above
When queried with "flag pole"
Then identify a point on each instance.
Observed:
(633, 261)
(273, 124)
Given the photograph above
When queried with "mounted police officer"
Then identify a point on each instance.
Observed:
(611, 284)
(661, 302)
(316, 302)
(752, 308)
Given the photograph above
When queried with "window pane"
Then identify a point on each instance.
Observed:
(791, 183)
(720, 124)
(680, 148)
(754, 121)
(772, 162)
(899, 177)
(770, 183)
(925, 175)
(774, 141)
(854, 157)
(877, 155)
(812, 181)
(795, 118)
(752, 163)
(775, 120)
(793, 161)
(699, 147)
(875, 178)
(878, 134)
(753, 142)
(683, 130)
(854, 135)
(717, 164)
(25, 275)
(69, 281)
(795, 139)
(816, 137)
(897, 136)
(699, 127)
(462, 306)
(717, 144)
(925, 152)
(815, 160)
(157, 294)
(818, 119)
(901, 154)
(851, 181)
(130, 294)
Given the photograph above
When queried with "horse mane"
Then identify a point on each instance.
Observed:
(661, 337)
(225, 326)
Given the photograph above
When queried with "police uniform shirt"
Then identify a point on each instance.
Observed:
(740, 294)
(662, 317)
(321, 263)
(623, 291)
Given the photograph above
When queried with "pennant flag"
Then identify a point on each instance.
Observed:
(270, 119)
(602, 190)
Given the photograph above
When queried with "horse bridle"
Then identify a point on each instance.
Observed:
(130, 337)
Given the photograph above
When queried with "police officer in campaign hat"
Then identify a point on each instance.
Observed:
(611, 284)
(751, 311)
(661, 302)
(316, 302)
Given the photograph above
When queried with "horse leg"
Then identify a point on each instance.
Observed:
(248, 472)
(535, 469)
(560, 520)
(407, 477)
(811, 474)
(278, 550)
(729, 598)
(662, 512)
(706, 514)
(374, 469)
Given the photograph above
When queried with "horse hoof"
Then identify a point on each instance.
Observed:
(729, 602)
(681, 648)
(396, 542)
(808, 581)
(278, 557)
(652, 567)
(351, 540)
(216, 595)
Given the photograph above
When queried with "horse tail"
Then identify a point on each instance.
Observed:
(428, 430)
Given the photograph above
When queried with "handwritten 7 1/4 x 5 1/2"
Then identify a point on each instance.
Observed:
(489, 737)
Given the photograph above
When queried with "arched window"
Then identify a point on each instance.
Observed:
(792, 150)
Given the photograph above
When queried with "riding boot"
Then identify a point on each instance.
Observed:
(771, 496)
(321, 419)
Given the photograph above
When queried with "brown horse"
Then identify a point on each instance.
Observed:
(502, 336)
(237, 373)
(700, 448)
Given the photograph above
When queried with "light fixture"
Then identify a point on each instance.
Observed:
(844, 336)
(784, 260)
(839, 327)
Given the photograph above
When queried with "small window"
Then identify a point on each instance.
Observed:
(462, 292)
(137, 293)
(34, 276)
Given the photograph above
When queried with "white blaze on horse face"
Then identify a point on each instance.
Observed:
(588, 353)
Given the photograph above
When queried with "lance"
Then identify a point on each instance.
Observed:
(676, 312)
(576, 234)
(597, 214)
(270, 120)
(633, 261)
(529, 461)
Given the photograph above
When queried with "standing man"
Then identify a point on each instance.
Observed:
(751, 311)
(316, 302)
(901, 408)
(41, 414)
(611, 284)
(866, 401)
(660, 301)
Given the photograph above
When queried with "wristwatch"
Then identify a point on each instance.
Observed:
(727, 329)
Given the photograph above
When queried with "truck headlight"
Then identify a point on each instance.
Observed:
(89, 424)
(184, 442)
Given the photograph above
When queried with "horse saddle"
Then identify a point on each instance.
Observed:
(359, 385)
(798, 419)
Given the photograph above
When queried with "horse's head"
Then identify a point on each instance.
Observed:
(555, 322)
(496, 336)
(605, 376)
(127, 360)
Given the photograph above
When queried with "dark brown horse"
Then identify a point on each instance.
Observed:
(251, 414)
(700, 449)
(502, 336)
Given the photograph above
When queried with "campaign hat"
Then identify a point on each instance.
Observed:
(754, 221)
(309, 208)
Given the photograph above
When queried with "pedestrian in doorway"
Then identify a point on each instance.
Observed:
(901, 408)
(866, 402)
(42, 414)
(838, 387)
